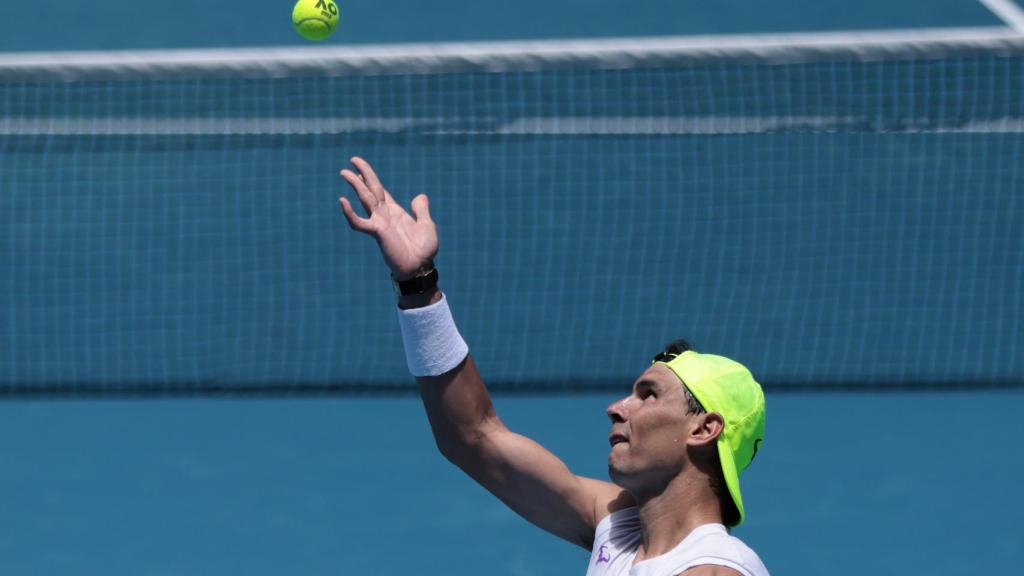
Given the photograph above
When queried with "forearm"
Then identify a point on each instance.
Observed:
(460, 411)
(457, 403)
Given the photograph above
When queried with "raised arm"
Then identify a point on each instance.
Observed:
(528, 478)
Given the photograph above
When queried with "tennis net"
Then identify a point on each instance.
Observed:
(837, 211)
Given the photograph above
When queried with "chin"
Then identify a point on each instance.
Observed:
(616, 474)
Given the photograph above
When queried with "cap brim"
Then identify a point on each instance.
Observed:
(731, 475)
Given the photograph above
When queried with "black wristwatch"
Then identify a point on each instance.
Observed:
(416, 285)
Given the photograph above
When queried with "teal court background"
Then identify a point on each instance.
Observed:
(847, 483)
(129, 24)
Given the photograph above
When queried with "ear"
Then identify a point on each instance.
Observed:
(705, 429)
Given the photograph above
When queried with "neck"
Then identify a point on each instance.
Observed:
(666, 518)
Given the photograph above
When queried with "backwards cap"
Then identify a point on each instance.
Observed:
(725, 386)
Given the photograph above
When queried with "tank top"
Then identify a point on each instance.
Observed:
(618, 536)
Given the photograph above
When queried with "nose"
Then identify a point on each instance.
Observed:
(618, 411)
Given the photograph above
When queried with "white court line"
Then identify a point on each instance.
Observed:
(545, 126)
(712, 125)
(1009, 11)
(222, 126)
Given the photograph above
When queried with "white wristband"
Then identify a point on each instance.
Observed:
(433, 344)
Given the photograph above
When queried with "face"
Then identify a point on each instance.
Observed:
(649, 431)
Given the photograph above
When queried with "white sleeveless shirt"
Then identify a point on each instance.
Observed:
(618, 536)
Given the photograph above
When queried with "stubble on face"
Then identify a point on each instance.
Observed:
(649, 431)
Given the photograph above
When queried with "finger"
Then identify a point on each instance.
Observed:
(366, 197)
(376, 193)
(354, 220)
(421, 208)
(372, 181)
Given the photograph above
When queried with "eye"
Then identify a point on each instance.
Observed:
(647, 393)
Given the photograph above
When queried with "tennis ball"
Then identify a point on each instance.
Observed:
(315, 19)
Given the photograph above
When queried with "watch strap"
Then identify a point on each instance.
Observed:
(416, 285)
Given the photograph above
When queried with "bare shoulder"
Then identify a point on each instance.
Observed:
(608, 498)
(710, 570)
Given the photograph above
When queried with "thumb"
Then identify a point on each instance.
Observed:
(421, 208)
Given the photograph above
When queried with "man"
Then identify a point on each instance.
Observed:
(678, 441)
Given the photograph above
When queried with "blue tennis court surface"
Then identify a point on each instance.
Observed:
(847, 484)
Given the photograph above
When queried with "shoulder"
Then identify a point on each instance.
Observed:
(710, 570)
(716, 539)
(712, 550)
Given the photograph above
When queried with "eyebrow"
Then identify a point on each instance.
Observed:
(645, 383)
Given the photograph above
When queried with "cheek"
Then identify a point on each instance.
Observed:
(663, 428)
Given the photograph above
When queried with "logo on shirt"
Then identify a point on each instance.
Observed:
(603, 555)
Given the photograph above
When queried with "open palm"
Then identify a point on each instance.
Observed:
(408, 244)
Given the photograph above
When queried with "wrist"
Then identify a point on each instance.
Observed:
(410, 301)
(417, 291)
(433, 345)
(423, 270)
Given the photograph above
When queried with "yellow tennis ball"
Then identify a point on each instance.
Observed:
(315, 19)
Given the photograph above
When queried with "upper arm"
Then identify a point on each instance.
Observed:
(538, 486)
(531, 480)
(710, 570)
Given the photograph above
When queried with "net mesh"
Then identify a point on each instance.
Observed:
(832, 225)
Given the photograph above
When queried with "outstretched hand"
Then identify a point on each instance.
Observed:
(407, 244)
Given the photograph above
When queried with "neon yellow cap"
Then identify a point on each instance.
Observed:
(725, 386)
